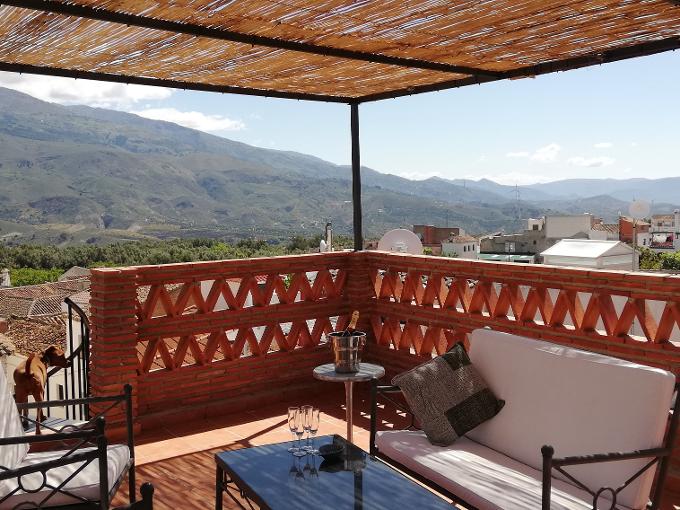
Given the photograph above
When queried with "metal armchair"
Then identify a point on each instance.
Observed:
(83, 473)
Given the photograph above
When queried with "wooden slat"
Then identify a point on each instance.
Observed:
(334, 50)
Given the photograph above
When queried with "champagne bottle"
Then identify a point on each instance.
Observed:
(352, 326)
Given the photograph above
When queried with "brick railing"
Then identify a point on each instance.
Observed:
(213, 337)
(424, 304)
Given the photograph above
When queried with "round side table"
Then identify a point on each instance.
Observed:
(367, 372)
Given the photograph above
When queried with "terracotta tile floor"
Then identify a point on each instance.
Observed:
(179, 458)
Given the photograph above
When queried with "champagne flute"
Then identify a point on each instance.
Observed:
(314, 421)
(299, 431)
(293, 412)
(307, 416)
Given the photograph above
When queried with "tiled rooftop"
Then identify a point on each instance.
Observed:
(39, 300)
(36, 334)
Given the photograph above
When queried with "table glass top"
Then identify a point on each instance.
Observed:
(282, 481)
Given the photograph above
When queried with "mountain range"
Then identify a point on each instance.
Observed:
(81, 174)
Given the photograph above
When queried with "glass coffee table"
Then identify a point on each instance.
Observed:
(270, 478)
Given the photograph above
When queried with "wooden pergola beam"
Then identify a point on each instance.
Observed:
(81, 11)
(174, 84)
(638, 50)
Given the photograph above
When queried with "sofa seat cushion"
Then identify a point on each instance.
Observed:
(580, 403)
(478, 475)
(84, 485)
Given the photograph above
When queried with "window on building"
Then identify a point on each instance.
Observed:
(464, 248)
(534, 227)
(474, 248)
(60, 391)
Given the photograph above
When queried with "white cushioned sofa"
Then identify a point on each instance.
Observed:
(576, 402)
(85, 473)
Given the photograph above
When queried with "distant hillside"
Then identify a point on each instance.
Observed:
(79, 173)
(75, 173)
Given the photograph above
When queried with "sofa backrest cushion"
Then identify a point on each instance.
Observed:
(10, 426)
(580, 403)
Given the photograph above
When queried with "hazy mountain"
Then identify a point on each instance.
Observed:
(94, 173)
(508, 192)
(75, 173)
(653, 190)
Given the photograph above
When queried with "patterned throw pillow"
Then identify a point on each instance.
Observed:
(448, 396)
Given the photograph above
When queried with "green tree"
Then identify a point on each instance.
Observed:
(649, 259)
(30, 276)
(671, 261)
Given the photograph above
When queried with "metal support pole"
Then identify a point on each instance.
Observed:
(349, 405)
(634, 241)
(356, 178)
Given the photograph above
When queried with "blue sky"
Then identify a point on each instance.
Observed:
(618, 120)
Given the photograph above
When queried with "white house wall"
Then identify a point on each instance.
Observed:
(560, 227)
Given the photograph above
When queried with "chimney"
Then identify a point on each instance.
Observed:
(329, 236)
(4, 278)
(3, 326)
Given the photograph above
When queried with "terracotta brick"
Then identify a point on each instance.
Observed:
(116, 329)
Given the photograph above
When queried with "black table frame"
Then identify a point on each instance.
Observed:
(226, 480)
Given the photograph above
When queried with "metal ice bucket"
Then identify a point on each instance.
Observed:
(347, 350)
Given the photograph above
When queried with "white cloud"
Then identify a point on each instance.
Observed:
(92, 93)
(512, 178)
(591, 162)
(634, 144)
(542, 154)
(603, 145)
(193, 119)
(547, 153)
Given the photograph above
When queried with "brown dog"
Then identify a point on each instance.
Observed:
(30, 378)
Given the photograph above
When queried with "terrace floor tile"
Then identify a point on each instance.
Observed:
(179, 458)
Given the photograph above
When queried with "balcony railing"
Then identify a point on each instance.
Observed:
(208, 338)
(423, 304)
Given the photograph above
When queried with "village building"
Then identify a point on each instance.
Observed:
(432, 236)
(461, 246)
(641, 228)
(541, 233)
(591, 254)
(665, 232)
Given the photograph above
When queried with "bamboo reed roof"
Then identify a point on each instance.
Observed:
(334, 50)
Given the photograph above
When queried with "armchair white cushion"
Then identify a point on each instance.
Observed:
(84, 485)
(10, 426)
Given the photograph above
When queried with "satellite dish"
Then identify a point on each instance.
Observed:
(639, 209)
(402, 241)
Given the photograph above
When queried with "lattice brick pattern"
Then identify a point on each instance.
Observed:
(424, 305)
(204, 313)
